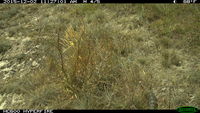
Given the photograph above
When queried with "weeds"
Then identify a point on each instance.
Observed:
(5, 45)
(97, 59)
(170, 58)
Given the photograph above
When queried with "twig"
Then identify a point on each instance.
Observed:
(60, 52)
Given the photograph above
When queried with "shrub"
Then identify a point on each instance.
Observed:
(195, 77)
(166, 42)
(104, 56)
(142, 61)
(170, 58)
(5, 45)
(9, 13)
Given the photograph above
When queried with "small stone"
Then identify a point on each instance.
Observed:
(34, 63)
(26, 39)
(37, 46)
(6, 69)
(3, 63)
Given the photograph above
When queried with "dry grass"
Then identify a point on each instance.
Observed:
(142, 59)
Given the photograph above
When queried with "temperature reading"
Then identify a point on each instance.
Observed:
(189, 1)
(97, 1)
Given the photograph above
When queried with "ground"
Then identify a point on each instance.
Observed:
(106, 56)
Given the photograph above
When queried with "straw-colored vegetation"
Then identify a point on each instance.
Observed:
(109, 56)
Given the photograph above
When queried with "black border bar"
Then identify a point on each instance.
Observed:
(87, 111)
(90, 111)
(94, 1)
